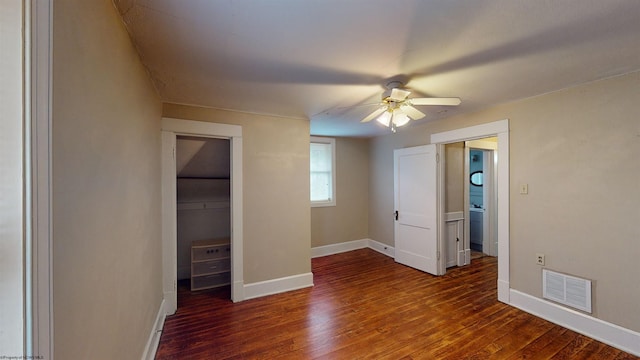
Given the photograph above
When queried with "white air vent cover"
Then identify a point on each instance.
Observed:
(567, 290)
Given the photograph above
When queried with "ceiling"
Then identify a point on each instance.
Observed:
(320, 59)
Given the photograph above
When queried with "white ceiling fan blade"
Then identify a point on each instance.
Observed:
(374, 114)
(452, 101)
(398, 94)
(413, 113)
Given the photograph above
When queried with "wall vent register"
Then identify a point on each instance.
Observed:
(567, 290)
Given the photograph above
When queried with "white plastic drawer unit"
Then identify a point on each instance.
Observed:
(210, 281)
(211, 267)
(210, 263)
(203, 253)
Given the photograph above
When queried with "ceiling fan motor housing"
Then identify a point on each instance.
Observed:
(386, 94)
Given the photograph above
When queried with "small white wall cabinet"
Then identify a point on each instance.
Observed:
(210, 263)
(454, 236)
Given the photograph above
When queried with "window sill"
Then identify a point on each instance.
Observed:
(323, 203)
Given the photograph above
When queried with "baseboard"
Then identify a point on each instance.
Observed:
(325, 250)
(332, 249)
(385, 249)
(154, 337)
(276, 286)
(608, 333)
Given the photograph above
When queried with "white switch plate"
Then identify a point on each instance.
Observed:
(524, 189)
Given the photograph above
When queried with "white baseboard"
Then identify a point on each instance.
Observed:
(608, 333)
(385, 249)
(332, 249)
(276, 286)
(154, 337)
(325, 250)
(611, 334)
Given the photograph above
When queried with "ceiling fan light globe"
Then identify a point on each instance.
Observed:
(400, 118)
(385, 118)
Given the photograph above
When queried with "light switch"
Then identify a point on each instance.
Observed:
(524, 189)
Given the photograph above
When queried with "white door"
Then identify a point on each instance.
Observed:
(415, 197)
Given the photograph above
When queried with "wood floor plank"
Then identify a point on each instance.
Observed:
(366, 306)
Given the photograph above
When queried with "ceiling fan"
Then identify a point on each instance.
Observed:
(397, 109)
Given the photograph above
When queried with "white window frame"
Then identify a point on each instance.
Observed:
(332, 142)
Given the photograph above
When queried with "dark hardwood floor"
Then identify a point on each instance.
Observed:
(366, 306)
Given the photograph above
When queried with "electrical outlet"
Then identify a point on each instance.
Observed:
(539, 259)
(524, 189)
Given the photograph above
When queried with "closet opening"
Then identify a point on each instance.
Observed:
(203, 194)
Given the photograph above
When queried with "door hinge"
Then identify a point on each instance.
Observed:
(437, 157)
(438, 255)
(174, 153)
(175, 285)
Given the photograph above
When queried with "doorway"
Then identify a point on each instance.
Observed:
(499, 129)
(203, 178)
(171, 129)
(480, 192)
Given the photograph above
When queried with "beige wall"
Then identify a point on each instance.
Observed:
(11, 199)
(348, 220)
(578, 150)
(454, 177)
(277, 238)
(106, 194)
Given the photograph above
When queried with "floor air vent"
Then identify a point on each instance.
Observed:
(567, 290)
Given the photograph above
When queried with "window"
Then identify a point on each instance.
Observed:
(323, 174)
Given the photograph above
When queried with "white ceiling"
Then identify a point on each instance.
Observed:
(312, 58)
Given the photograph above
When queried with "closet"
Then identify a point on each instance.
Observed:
(203, 211)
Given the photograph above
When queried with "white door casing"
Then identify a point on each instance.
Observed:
(501, 130)
(170, 129)
(415, 199)
(169, 226)
(490, 241)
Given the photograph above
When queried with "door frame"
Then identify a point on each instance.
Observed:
(171, 128)
(500, 129)
(38, 257)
